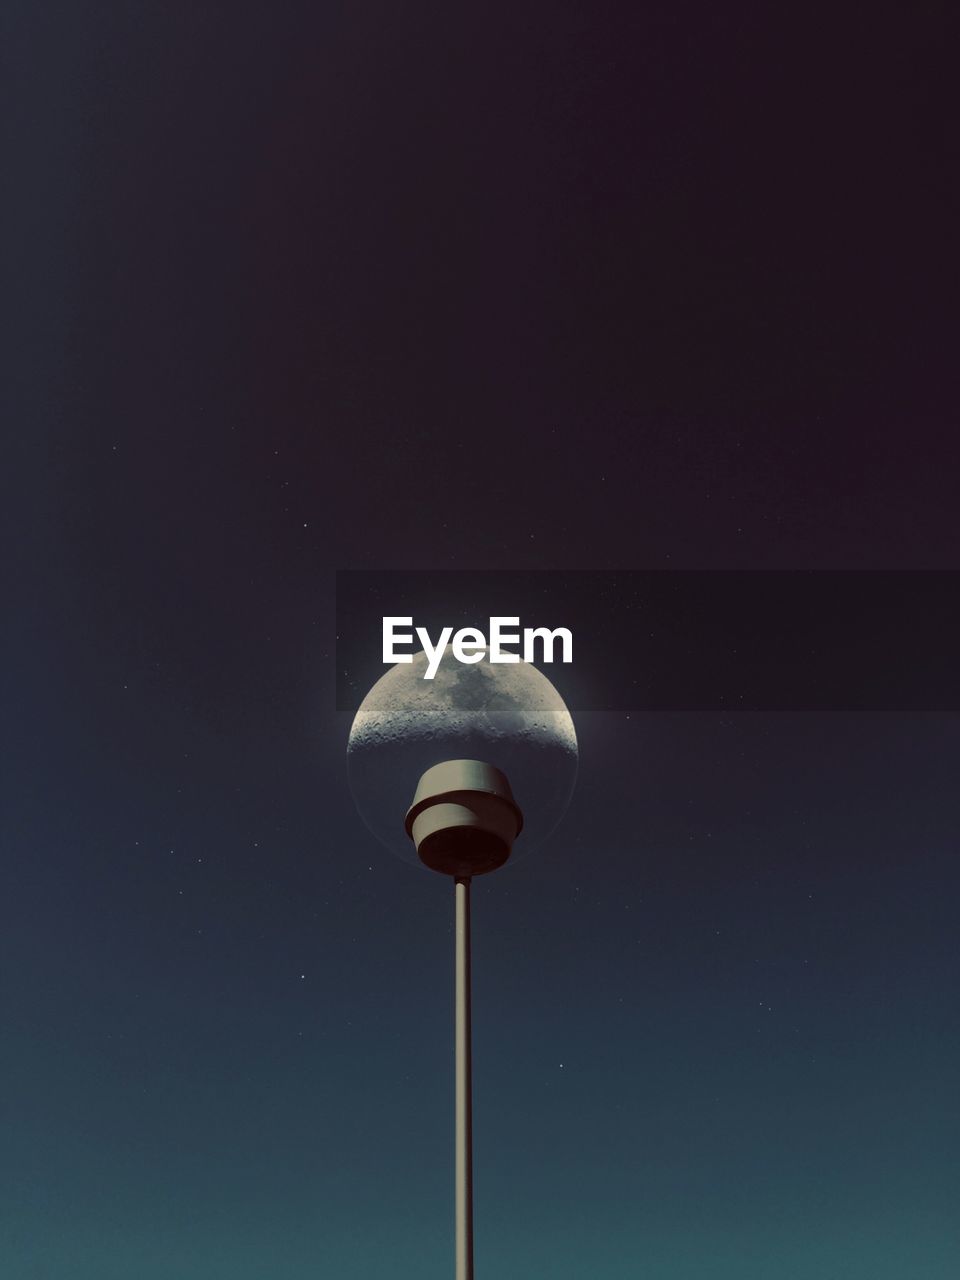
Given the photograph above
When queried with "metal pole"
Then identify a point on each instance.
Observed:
(464, 1106)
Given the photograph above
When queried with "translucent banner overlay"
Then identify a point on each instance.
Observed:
(688, 640)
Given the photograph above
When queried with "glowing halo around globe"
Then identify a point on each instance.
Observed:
(505, 714)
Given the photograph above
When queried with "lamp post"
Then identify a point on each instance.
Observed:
(445, 735)
(463, 821)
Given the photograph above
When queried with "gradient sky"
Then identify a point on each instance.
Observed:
(298, 288)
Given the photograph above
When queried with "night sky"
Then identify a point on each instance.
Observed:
(300, 288)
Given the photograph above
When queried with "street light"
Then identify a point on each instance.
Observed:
(448, 773)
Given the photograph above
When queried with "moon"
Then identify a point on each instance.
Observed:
(507, 714)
